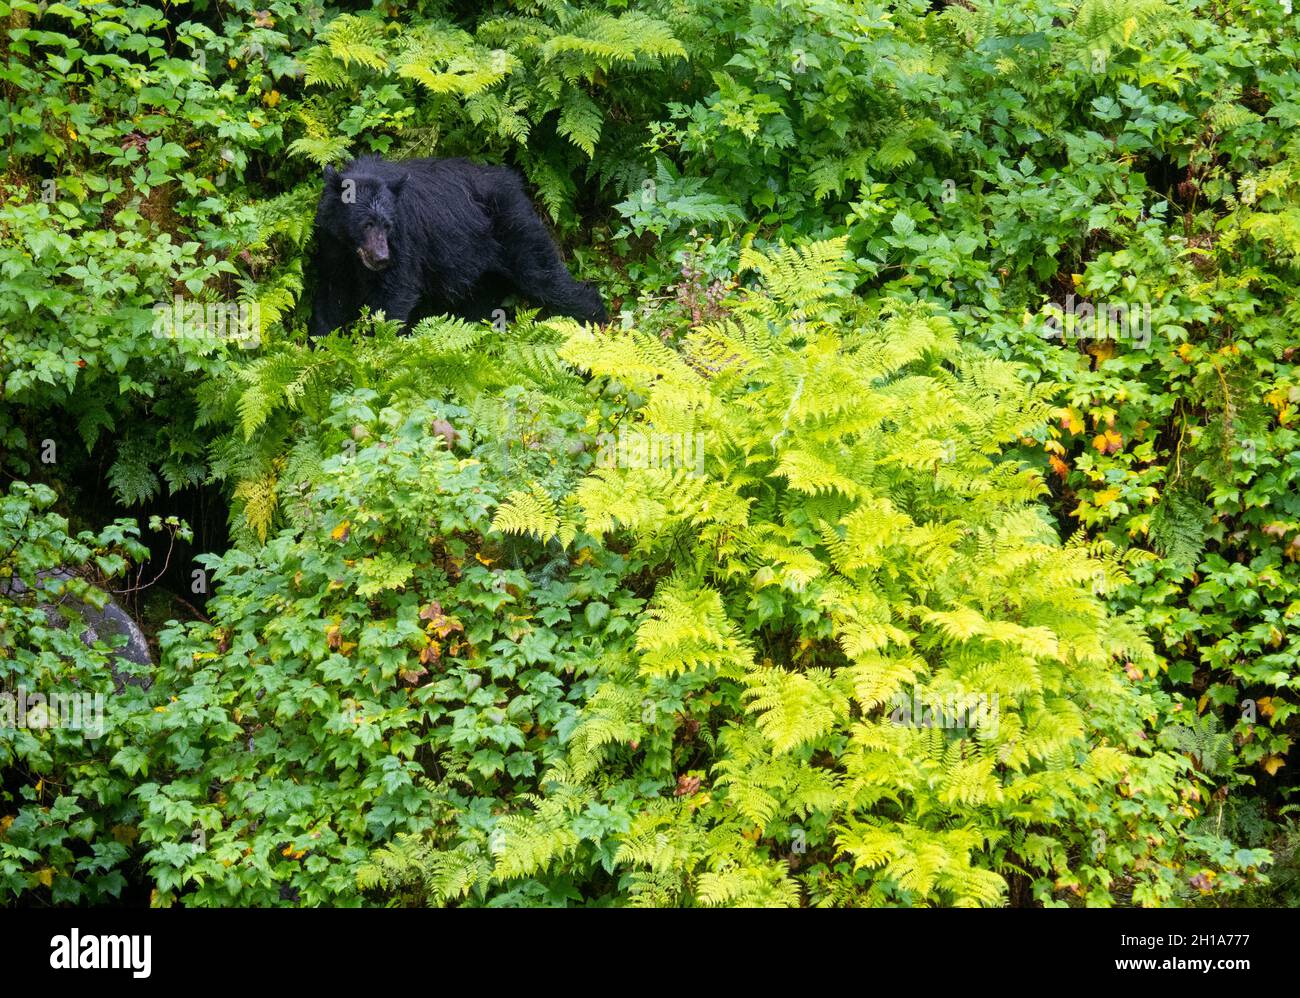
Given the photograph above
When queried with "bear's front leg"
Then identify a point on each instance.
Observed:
(335, 301)
(327, 310)
(397, 296)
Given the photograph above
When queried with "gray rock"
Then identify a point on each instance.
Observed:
(103, 624)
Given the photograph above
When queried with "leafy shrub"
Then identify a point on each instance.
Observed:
(110, 204)
(379, 662)
(855, 543)
(1001, 158)
(67, 816)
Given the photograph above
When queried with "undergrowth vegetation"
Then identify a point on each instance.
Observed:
(952, 378)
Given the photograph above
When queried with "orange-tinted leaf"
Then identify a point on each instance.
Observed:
(1071, 421)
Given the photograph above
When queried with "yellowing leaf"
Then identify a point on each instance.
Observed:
(125, 834)
(1103, 350)
(1108, 442)
(1070, 420)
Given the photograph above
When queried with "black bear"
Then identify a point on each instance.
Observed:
(432, 236)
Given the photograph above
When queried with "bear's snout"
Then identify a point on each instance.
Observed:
(374, 250)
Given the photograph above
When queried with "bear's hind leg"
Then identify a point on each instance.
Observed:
(540, 277)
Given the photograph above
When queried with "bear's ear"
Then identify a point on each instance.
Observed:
(332, 178)
(396, 185)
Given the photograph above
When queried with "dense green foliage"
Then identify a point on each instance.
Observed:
(657, 614)
(75, 813)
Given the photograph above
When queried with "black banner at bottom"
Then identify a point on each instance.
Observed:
(134, 948)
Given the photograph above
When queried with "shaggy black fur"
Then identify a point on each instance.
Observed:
(435, 236)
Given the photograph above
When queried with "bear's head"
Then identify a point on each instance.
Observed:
(364, 209)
